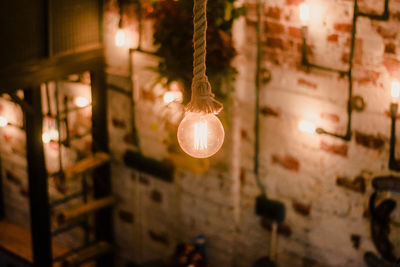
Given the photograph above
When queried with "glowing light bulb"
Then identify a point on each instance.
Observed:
(171, 96)
(46, 138)
(395, 90)
(306, 126)
(304, 14)
(81, 101)
(120, 38)
(200, 135)
(3, 121)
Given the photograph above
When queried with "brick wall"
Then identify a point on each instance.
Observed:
(324, 182)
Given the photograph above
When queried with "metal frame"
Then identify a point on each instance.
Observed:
(382, 17)
(30, 76)
(393, 163)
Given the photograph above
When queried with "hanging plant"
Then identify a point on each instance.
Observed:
(173, 32)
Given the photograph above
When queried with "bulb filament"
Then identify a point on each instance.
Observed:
(200, 135)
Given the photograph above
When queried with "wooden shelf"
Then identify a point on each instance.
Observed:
(92, 252)
(17, 240)
(86, 165)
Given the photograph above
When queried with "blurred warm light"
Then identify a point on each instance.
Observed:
(81, 101)
(46, 138)
(306, 126)
(171, 96)
(395, 90)
(304, 13)
(120, 38)
(3, 121)
(51, 135)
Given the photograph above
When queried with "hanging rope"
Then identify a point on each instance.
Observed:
(202, 97)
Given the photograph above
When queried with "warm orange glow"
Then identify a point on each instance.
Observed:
(200, 135)
(395, 90)
(304, 13)
(46, 138)
(81, 101)
(171, 96)
(3, 121)
(306, 126)
(120, 38)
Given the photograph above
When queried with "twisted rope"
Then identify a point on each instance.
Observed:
(202, 99)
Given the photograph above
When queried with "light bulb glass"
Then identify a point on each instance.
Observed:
(200, 135)
(395, 90)
(81, 101)
(171, 96)
(3, 121)
(120, 38)
(304, 13)
(306, 126)
(46, 138)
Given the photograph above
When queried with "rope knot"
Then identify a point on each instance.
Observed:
(202, 99)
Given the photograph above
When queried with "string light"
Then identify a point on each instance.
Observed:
(307, 126)
(81, 101)
(171, 96)
(395, 92)
(120, 37)
(304, 14)
(3, 121)
(200, 133)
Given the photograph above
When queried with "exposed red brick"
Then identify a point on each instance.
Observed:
(275, 42)
(273, 12)
(356, 240)
(387, 32)
(342, 27)
(274, 28)
(294, 2)
(345, 57)
(390, 48)
(356, 185)
(288, 162)
(309, 84)
(242, 176)
(295, 32)
(159, 238)
(369, 76)
(13, 178)
(244, 134)
(147, 95)
(332, 38)
(330, 117)
(370, 141)
(117, 123)
(156, 196)
(24, 191)
(144, 179)
(340, 150)
(129, 139)
(125, 216)
(283, 229)
(392, 66)
(301, 208)
(268, 111)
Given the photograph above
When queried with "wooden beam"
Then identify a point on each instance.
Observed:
(85, 209)
(86, 165)
(35, 72)
(87, 254)
(101, 176)
(37, 176)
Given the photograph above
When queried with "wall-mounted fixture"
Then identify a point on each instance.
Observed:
(352, 101)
